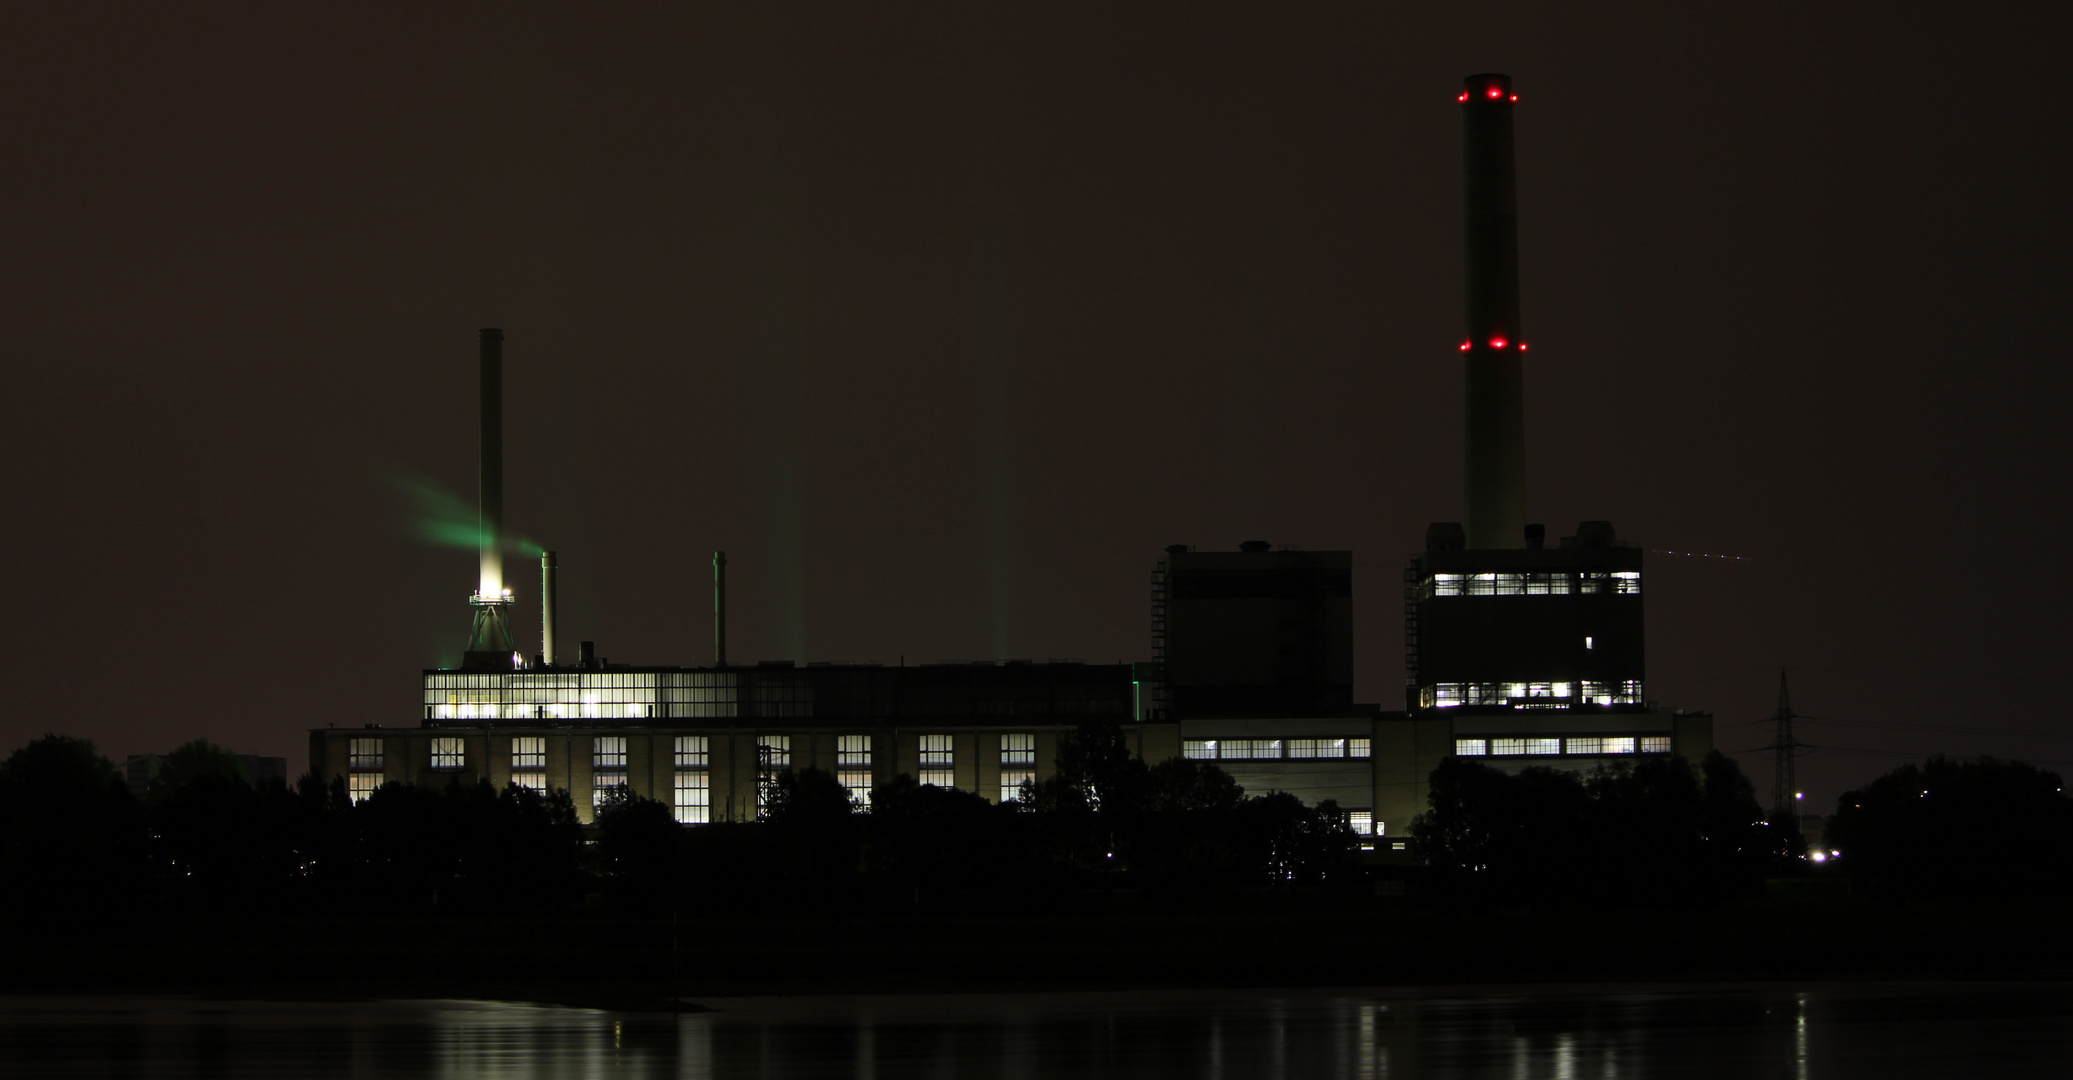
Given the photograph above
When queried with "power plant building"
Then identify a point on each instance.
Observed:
(1518, 652)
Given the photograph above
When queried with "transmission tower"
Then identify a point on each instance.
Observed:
(1785, 749)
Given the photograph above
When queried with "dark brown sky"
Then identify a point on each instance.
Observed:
(943, 321)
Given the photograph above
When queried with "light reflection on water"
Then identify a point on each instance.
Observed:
(1942, 1030)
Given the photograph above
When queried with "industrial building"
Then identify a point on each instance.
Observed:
(1517, 652)
(1533, 654)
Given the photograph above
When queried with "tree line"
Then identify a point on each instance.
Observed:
(72, 837)
(1655, 832)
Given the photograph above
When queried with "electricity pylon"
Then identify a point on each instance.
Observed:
(1785, 749)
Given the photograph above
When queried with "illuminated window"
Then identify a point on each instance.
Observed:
(1449, 584)
(448, 753)
(1543, 746)
(1507, 747)
(691, 796)
(1496, 585)
(542, 695)
(360, 785)
(608, 768)
(774, 752)
(363, 754)
(694, 797)
(1199, 749)
(1619, 746)
(1363, 821)
(1655, 744)
(1317, 748)
(1018, 750)
(853, 751)
(528, 753)
(1011, 784)
(1621, 693)
(1470, 748)
(1547, 584)
(942, 778)
(935, 750)
(530, 781)
(1358, 748)
(1451, 695)
(1626, 582)
(1249, 749)
(858, 781)
(1584, 745)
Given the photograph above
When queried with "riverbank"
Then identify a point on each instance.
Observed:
(623, 963)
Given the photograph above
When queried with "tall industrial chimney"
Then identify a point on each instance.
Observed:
(547, 608)
(1496, 428)
(489, 643)
(719, 609)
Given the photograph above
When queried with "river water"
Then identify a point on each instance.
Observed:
(1826, 1031)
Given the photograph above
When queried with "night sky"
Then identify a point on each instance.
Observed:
(943, 321)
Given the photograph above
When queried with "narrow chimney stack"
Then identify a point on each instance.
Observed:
(490, 642)
(719, 609)
(491, 529)
(1496, 398)
(547, 567)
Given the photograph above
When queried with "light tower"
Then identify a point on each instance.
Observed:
(490, 642)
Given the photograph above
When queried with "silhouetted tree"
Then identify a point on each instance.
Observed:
(71, 837)
(1501, 835)
(197, 762)
(1185, 836)
(1981, 829)
(1282, 841)
(215, 838)
(809, 819)
(1183, 785)
(641, 848)
(1651, 831)
(1742, 849)
(921, 837)
(1095, 772)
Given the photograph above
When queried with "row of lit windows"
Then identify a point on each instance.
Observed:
(1595, 583)
(609, 751)
(1273, 749)
(563, 695)
(1450, 695)
(691, 755)
(1593, 745)
(705, 682)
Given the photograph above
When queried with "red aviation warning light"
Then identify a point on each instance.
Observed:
(1496, 92)
(1497, 343)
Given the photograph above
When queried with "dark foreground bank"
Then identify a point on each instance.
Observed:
(1116, 942)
